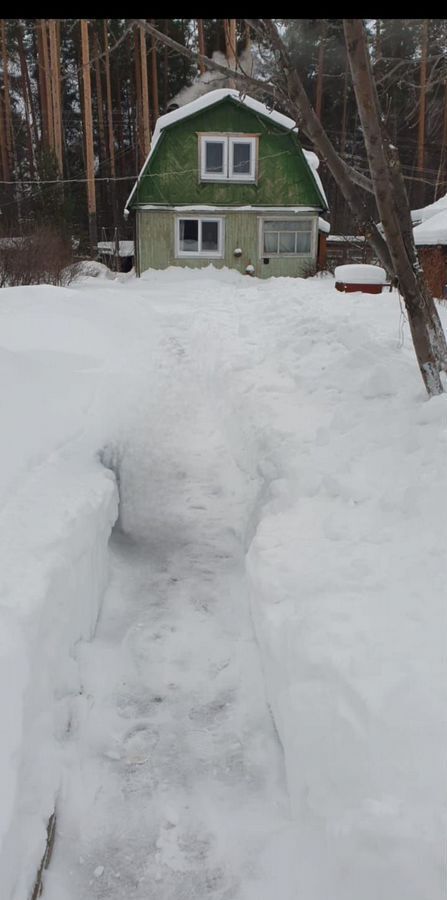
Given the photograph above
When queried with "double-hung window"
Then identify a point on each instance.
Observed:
(287, 237)
(199, 237)
(228, 157)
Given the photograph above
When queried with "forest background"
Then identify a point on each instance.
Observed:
(79, 100)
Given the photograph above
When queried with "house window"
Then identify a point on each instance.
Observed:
(228, 158)
(214, 159)
(286, 237)
(199, 237)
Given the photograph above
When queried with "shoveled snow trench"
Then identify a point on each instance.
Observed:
(174, 784)
(175, 788)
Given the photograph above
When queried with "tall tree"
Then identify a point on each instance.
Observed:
(154, 79)
(320, 70)
(99, 98)
(422, 107)
(7, 95)
(88, 132)
(144, 94)
(389, 189)
(56, 93)
(201, 41)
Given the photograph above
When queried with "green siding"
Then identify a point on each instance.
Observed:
(156, 244)
(172, 175)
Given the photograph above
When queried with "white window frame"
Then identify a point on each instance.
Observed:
(213, 139)
(285, 218)
(228, 141)
(200, 254)
(242, 176)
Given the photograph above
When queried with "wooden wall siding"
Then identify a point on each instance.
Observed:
(434, 264)
(173, 177)
(156, 246)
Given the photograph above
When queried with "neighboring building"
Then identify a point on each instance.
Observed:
(227, 183)
(117, 255)
(430, 237)
(343, 249)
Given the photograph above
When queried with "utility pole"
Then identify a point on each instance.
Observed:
(88, 130)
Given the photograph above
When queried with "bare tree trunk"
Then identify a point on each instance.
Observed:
(88, 126)
(422, 106)
(138, 142)
(56, 94)
(28, 102)
(144, 95)
(111, 134)
(3, 145)
(378, 40)
(230, 45)
(47, 79)
(44, 129)
(344, 116)
(154, 80)
(119, 119)
(440, 180)
(6, 95)
(99, 99)
(428, 338)
(201, 36)
(110, 131)
(320, 71)
(165, 69)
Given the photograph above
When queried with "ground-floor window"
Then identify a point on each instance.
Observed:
(286, 237)
(199, 237)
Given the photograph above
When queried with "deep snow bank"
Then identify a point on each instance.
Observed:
(51, 586)
(347, 572)
(58, 505)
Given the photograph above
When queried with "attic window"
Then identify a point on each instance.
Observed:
(228, 158)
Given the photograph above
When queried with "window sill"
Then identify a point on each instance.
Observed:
(212, 178)
(199, 256)
(286, 255)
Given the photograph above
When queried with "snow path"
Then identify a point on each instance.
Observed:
(179, 791)
(175, 786)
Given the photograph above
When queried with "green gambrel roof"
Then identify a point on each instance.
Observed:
(287, 176)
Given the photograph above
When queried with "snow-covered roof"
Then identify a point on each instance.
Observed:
(126, 248)
(210, 99)
(313, 163)
(432, 230)
(427, 212)
(203, 207)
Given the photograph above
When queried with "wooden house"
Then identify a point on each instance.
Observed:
(227, 183)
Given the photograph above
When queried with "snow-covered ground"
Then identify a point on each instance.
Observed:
(280, 543)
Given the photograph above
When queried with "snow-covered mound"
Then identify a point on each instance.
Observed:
(360, 273)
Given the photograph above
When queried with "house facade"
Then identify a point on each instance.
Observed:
(227, 183)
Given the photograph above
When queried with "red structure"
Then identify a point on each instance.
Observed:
(364, 288)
